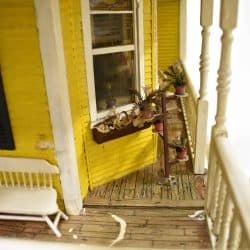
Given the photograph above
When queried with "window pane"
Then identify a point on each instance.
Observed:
(111, 30)
(114, 76)
(110, 4)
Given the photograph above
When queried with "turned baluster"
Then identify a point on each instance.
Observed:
(235, 232)
(244, 244)
(206, 20)
(212, 169)
(219, 210)
(225, 226)
(215, 194)
(228, 21)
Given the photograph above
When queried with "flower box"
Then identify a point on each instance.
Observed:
(100, 137)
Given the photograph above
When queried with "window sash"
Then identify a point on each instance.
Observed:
(113, 49)
(100, 12)
(137, 46)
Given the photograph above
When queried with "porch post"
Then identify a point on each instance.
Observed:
(228, 21)
(206, 20)
(183, 30)
(52, 53)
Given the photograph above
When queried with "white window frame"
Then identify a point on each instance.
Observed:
(137, 47)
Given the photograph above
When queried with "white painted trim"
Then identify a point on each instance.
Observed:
(89, 52)
(113, 49)
(183, 30)
(206, 20)
(136, 54)
(201, 137)
(52, 53)
(101, 12)
(89, 58)
(155, 43)
(140, 23)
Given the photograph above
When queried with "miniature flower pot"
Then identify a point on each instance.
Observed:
(158, 126)
(147, 114)
(180, 90)
(181, 153)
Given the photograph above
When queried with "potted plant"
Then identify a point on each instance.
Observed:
(176, 77)
(150, 102)
(144, 103)
(158, 125)
(180, 146)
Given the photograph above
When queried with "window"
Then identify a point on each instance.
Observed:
(6, 138)
(112, 29)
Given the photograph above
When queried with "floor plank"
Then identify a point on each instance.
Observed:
(168, 228)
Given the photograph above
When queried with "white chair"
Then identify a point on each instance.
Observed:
(26, 191)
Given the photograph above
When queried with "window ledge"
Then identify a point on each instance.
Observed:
(102, 115)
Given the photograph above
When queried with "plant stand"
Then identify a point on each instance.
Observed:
(168, 179)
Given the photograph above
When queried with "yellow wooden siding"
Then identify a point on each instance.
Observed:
(118, 157)
(24, 85)
(73, 48)
(168, 32)
(23, 80)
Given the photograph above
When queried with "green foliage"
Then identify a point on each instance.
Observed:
(175, 75)
(180, 142)
(151, 100)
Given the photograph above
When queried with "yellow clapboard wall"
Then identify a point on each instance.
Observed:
(118, 157)
(23, 80)
(25, 90)
(168, 32)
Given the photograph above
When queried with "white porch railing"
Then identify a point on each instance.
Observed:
(228, 201)
(197, 106)
(189, 107)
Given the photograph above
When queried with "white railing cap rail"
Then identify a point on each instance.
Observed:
(18, 164)
(237, 183)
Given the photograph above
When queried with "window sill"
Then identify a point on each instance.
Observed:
(102, 115)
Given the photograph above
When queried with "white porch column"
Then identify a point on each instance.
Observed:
(206, 20)
(52, 53)
(183, 30)
(228, 21)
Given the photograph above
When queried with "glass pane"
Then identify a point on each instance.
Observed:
(114, 76)
(110, 4)
(111, 30)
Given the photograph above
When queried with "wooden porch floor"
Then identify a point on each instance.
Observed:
(168, 228)
(143, 188)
